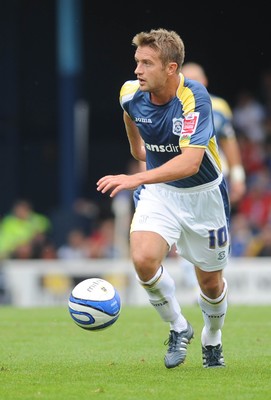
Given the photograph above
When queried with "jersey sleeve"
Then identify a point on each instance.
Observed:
(127, 92)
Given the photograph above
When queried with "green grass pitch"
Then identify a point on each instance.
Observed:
(45, 355)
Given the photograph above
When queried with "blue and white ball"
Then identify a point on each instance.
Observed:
(94, 304)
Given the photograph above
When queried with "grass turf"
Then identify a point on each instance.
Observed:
(45, 355)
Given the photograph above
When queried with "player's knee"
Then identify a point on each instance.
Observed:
(212, 287)
(145, 265)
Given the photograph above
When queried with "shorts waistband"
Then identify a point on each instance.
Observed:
(194, 189)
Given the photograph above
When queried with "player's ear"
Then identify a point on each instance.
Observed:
(172, 67)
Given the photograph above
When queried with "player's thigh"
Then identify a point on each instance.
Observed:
(148, 249)
(157, 212)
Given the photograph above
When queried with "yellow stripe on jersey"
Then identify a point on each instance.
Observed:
(186, 97)
(213, 150)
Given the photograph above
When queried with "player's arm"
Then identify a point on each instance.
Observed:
(237, 179)
(137, 147)
(230, 148)
(179, 167)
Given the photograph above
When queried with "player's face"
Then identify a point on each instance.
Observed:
(150, 72)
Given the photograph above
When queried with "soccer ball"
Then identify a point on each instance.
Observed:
(94, 304)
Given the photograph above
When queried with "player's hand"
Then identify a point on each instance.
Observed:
(237, 192)
(116, 183)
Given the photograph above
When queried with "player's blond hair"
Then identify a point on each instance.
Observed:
(168, 43)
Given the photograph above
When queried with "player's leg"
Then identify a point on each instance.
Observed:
(205, 243)
(213, 303)
(154, 230)
(148, 249)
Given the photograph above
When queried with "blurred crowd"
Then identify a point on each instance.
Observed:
(93, 230)
(80, 232)
(251, 216)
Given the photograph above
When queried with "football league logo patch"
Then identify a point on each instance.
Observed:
(190, 123)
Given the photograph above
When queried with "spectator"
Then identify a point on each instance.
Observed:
(256, 204)
(23, 231)
(249, 116)
(253, 154)
(82, 215)
(101, 242)
(75, 248)
(260, 244)
(48, 251)
(241, 234)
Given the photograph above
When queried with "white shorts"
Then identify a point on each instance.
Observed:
(194, 219)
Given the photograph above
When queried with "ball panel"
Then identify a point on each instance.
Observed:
(94, 289)
(105, 325)
(110, 307)
(81, 317)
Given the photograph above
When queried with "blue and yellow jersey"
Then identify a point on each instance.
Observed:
(185, 121)
(222, 118)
